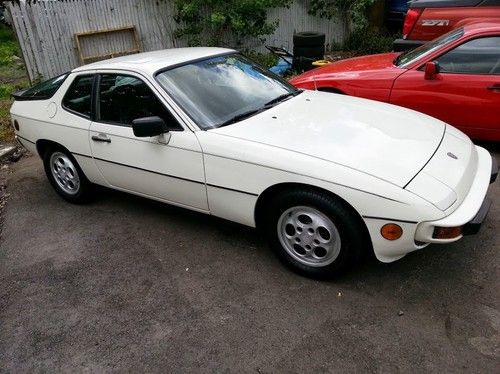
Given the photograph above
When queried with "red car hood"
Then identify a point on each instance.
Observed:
(361, 64)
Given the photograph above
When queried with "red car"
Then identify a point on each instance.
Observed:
(427, 19)
(455, 78)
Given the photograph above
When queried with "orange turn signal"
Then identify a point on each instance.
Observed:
(391, 231)
(447, 232)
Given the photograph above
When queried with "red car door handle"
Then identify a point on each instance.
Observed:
(495, 87)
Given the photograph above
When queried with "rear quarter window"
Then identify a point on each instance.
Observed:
(78, 97)
(42, 91)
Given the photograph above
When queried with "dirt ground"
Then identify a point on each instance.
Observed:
(127, 284)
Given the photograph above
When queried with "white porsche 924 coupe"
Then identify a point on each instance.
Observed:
(325, 176)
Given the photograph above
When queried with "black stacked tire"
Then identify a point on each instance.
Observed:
(308, 47)
(308, 39)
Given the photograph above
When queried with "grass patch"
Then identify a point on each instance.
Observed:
(6, 130)
(12, 78)
(7, 51)
(6, 90)
(8, 45)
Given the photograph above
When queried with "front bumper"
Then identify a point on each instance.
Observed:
(494, 170)
(401, 45)
(473, 210)
(473, 226)
(470, 213)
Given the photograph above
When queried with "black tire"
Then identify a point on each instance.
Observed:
(350, 230)
(81, 193)
(308, 39)
(313, 52)
(301, 64)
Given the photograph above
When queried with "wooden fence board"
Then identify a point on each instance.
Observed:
(46, 29)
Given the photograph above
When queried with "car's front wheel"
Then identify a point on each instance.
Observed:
(314, 233)
(65, 175)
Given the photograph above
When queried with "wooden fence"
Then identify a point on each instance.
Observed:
(46, 29)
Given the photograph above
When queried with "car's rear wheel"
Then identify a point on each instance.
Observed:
(65, 175)
(314, 233)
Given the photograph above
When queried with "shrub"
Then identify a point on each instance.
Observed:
(365, 41)
(224, 22)
(266, 60)
(348, 11)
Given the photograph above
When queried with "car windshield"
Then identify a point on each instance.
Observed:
(409, 57)
(224, 89)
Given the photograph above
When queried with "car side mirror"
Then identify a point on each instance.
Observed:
(431, 69)
(149, 126)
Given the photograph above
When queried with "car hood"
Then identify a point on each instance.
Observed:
(352, 67)
(383, 140)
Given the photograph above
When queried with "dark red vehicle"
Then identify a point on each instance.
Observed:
(428, 19)
(455, 78)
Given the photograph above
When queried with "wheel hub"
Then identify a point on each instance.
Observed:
(309, 236)
(64, 173)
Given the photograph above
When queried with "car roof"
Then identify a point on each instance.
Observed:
(150, 62)
(481, 27)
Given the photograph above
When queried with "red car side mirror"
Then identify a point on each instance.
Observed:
(431, 69)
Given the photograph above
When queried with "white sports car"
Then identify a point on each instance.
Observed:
(326, 177)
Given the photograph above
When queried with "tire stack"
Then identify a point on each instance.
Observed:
(308, 46)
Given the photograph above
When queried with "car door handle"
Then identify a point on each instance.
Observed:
(101, 138)
(495, 87)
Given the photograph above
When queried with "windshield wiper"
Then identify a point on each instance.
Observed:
(249, 113)
(281, 98)
(240, 117)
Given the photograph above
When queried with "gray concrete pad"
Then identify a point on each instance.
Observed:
(128, 284)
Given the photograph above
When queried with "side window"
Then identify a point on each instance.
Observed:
(123, 98)
(78, 98)
(478, 56)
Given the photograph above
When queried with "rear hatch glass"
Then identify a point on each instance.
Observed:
(41, 91)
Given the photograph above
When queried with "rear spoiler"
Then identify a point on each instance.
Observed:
(18, 96)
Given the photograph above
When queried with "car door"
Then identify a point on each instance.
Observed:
(168, 167)
(465, 92)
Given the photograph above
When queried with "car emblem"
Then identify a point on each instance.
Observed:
(452, 155)
(436, 22)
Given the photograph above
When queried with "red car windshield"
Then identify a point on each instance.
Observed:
(409, 57)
